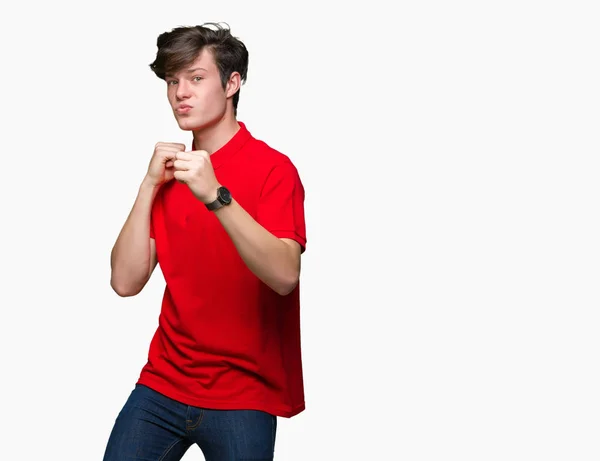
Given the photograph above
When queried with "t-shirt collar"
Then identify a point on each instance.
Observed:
(230, 148)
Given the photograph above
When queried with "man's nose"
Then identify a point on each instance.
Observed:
(183, 90)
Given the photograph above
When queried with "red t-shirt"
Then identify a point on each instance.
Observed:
(225, 340)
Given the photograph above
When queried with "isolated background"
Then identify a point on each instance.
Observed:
(449, 152)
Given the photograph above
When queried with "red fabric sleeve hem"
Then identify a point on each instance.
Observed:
(291, 235)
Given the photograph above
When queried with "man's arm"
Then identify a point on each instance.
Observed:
(133, 257)
(273, 260)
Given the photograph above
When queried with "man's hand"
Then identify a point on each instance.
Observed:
(195, 169)
(161, 168)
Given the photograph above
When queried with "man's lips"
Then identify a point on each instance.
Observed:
(183, 108)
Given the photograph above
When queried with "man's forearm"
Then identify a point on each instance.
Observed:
(130, 257)
(269, 258)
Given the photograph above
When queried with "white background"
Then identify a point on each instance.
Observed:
(449, 151)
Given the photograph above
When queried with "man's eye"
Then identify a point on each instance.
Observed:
(197, 79)
(171, 82)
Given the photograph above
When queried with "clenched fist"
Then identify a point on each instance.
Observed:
(161, 167)
(195, 169)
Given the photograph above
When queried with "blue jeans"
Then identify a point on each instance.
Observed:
(153, 427)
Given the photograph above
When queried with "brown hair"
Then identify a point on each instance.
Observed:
(182, 45)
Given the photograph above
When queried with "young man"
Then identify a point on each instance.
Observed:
(225, 221)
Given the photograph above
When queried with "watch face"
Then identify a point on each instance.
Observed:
(225, 194)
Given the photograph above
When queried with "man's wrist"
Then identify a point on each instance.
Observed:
(148, 184)
(214, 195)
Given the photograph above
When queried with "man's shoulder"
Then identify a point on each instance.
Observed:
(261, 153)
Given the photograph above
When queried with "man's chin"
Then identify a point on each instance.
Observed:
(194, 125)
(188, 124)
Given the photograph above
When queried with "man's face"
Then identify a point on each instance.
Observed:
(196, 95)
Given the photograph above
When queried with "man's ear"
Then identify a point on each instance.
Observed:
(233, 84)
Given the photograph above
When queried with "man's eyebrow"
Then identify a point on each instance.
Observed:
(189, 71)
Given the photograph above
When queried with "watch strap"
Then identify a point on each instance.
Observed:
(212, 206)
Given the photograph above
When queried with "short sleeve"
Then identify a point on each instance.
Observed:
(281, 204)
(152, 225)
(154, 212)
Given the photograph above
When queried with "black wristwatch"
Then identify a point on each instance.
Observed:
(223, 198)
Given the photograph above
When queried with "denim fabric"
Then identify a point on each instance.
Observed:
(153, 427)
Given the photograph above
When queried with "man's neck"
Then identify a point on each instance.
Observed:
(213, 137)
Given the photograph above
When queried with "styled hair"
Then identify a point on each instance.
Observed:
(179, 48)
